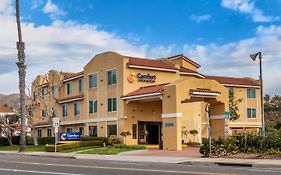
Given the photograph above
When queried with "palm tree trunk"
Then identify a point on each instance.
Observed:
(21, 65)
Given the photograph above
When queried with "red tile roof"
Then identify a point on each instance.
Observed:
(186, 70)
(147, 90)
(68, 75)
(187, 59)
(73, 97)
(203, 90)
(154, 63)
(6, 109)
(234, 81)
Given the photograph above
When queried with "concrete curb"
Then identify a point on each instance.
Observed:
(38, 155)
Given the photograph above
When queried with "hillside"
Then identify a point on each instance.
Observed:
(11, 100)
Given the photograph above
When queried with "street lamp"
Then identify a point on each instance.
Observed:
(253, 57)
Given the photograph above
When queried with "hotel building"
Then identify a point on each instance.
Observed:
(155, 100)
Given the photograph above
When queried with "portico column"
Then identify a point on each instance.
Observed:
(172, 131)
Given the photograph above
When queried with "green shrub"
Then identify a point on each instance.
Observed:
(133, 147)
(112, 140)
(4, 141)
(70, 145)
(16, 140)
(29, 140)
(46, 140)
(89, 138)
(243, 144)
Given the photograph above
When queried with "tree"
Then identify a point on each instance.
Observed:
(22, 71)
(233, 108)
(125, 134)
(5, 126)
(193, 132)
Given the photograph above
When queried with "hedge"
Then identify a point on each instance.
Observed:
(90, 138)
(242, 144)
(70, 145)
(133, 147)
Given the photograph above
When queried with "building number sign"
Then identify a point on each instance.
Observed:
(169, 124)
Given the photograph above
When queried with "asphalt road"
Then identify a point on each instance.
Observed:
(32, 165)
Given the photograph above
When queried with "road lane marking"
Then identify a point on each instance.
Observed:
(117, 168)
(37, 172)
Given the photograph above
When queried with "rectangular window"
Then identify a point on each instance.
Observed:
(44, 91)
(93, 131)
(111, 77)
(93, 106)
(111, 105)
(49, 132)
(64, 110)
(81, 85)
(77, 108)
(68, 129)
(134, 129)
(43, 113)
(251, 113)
(81, 130)
(251, 93)
(231, 92)
(34, 94)
(111, 130)
(39, 132)
(68, 88)
(54, 90)
(93, 80)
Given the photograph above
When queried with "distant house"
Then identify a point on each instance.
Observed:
(6, 110)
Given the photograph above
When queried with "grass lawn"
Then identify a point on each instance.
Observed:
(106, 151)
(98, 150)
(28, 148)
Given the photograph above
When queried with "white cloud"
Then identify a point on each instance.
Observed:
(162, 51)
(63, 45)
(200, 18)
(248, 7)
(53, 10)
(232, 59)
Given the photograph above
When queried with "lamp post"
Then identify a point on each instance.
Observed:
(253, 57)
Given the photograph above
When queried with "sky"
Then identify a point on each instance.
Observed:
(218, 34)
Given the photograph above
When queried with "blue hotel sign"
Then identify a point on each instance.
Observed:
(69, 136)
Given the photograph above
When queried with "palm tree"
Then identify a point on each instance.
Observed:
(21, 65)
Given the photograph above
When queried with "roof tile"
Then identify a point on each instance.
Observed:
(147, 90)
(234, 80)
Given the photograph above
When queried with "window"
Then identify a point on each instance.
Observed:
(77, 108)
(111, 104)
(44, 91)
(34, 94)
(81, 130)
(54, 90)
(231, 93)
(134, 129)
(251, 93)
(49, 132)
(81, 85)
(93, 106)
(251, 113)
(92, 80)
(39, 132)
(68, 129)
(111, 77)
(68, 88)
(64, 110)
(93, 131)
(111, 130)
(43, 113)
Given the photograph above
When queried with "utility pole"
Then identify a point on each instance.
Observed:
(22, 71)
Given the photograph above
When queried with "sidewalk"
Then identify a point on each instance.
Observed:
(132, 157)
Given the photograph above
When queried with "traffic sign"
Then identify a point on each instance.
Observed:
(56, 122)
